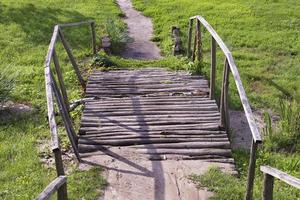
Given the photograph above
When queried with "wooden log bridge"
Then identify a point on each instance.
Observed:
(159, 113)
(156, 113)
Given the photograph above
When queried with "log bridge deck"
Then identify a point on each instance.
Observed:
(159, 113)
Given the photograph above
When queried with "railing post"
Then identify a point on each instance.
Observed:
(224, 97)
(93, 37)
(72, 59)
(213, 68)
(268, 187)
(190, 34)
(199, 41)
(251, 172)
(62, 193)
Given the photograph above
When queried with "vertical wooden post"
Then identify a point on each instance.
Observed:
(268, 187)
(213, 68)
(199, 42)
(190, 34)
(195, 45)
(60, 79)
(93, 37)
(224, 97)
(62, 193)
(251, 172)
(72, 59)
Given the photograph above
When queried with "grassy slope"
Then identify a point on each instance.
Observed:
(264, 37)
(25, 31)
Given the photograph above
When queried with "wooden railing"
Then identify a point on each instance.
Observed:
(269, 174)
(229, 66)
(59, 185)
(59, 92)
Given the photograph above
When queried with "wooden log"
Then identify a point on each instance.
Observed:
(62, 191)
(49, 92)
(185, 145)
(190, 33)
(120, 127)
(251, 172)
(127, 142)
(213, 68)
(226, 98)
(293, 181)
(72, 59)
(155, 132)
(190, 152)
(151, 108)
(131, 124)
(121, 137)
(224, 95)
(199, 41)
(52, 188)
(195, 45)
(94, 42)
(60, 80)
(268, 187)
(131, 119)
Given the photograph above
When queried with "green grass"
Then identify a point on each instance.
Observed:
(263, 36)
(25, 32)
(229, 187)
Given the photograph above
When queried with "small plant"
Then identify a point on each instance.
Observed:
(6, 85)
(287, 135)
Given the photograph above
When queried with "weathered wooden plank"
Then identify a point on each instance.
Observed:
(154, 132)
(190, 152)
(185, 145)
(52, 188)
(127, 142)
(121, 137)
(116, 127)
(293, 181)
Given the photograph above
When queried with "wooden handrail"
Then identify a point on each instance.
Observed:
(229, 66)
(242, 94)
(269, 174)
(54, 186)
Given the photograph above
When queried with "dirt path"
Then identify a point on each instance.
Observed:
(140, 29)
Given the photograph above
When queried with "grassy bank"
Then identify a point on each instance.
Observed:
(263, 36)
(25, 32)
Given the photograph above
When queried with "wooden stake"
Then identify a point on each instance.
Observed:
(72, 59)
(213, 69)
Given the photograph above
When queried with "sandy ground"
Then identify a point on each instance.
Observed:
(140, 29)
(132, 177)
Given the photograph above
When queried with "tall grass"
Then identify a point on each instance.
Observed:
(286, 134)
